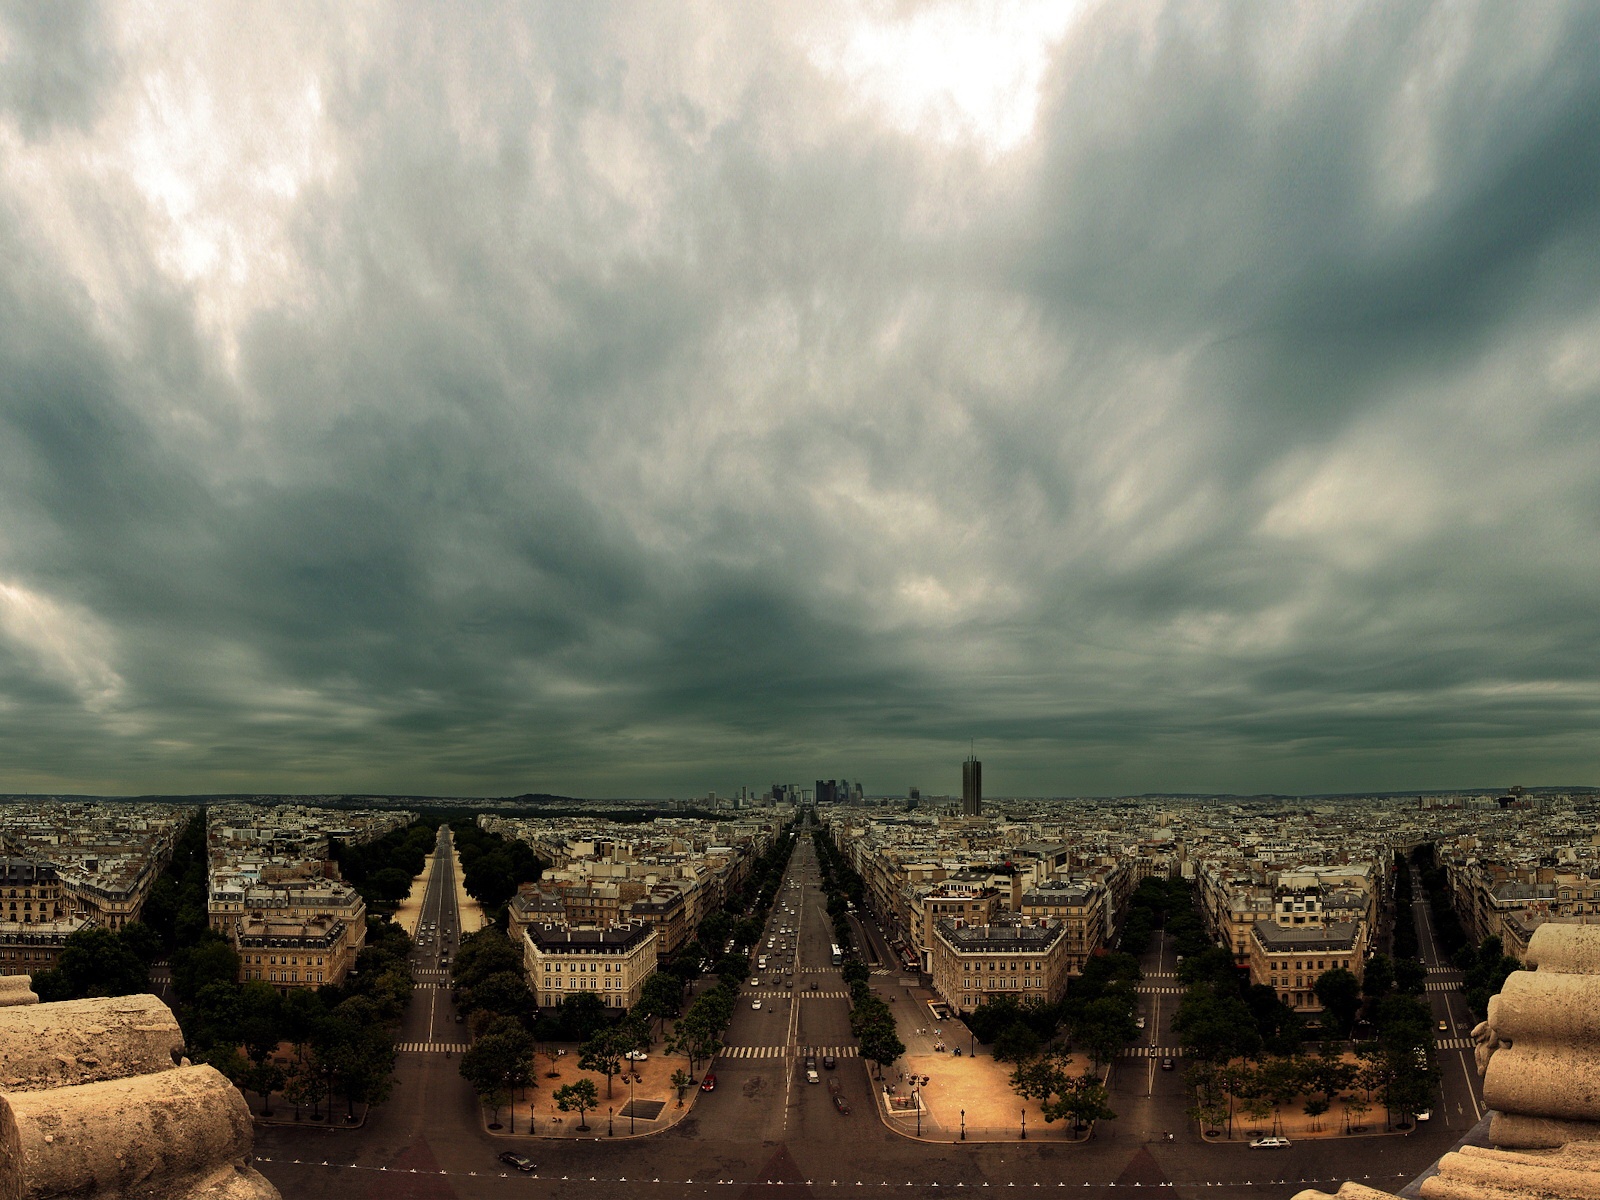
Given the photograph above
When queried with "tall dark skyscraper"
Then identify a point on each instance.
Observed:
(972, 788)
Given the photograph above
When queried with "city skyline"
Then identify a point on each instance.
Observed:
(620, 400)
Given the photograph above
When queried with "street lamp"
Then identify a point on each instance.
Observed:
(1024, 1124)
(631, 1078)
(610, 1131)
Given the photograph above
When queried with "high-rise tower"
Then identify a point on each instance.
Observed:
(972, 788)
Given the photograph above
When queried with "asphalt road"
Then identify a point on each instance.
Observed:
(765, 1126)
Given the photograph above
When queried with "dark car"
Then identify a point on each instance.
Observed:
(520, 1161)
(829, 1062)
(1166, 1064)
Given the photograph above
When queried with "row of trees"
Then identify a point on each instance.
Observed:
(1062, 1096)
(383, 870)
(842, 883)
(492, 867)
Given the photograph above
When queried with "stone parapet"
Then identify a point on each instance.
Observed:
(98, 1104)
(84, 1041)
(1539, 1054)
(1539, 1049)
(16, 989)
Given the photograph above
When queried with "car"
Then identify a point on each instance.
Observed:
(1139, 1022)
(637, 1056)
(756, 1004)
(520, 1161)
(755, 983)
(1269, 1143)
(844, 1109)
(829, 1061)
(1444, 1026)
(709, 1083)
(1425, 1115)
(1166, 1064)
(813, 987)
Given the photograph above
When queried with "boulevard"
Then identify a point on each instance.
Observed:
(764, 1128)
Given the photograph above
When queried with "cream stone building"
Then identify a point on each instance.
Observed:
(1025, 960)
(1289, 952)
(293, 933)
(612, 962)
(1080, 906)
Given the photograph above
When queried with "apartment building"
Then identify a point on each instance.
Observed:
(1025, 960)
(613, 962)
(1292, 950)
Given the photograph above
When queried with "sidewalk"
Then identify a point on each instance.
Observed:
(970, 1092)
(652, 1099)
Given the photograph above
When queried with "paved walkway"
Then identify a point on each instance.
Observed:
(652, 1099)
(970, 1091)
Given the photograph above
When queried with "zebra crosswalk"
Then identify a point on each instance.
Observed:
(1455, 1043)
(782, 1051)
(1158, 991)
(431, 1047)
(1443, 987)
(784, 995)
(1152, 1052)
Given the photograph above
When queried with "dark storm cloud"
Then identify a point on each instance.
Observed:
(616, 400)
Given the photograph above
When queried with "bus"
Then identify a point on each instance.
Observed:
(838, 954)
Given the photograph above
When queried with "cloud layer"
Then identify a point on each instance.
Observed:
(644, 399)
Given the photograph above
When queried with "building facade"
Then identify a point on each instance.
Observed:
(612, 963)
(1024, 960)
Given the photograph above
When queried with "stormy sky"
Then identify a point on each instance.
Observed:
(647, 399)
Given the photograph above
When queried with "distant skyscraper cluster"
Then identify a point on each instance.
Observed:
(838, 791)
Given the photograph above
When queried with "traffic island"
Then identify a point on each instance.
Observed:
(642, 1102)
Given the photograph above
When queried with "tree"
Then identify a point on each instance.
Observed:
(580, 1096)
(1215, 1027)
(1314, 1108)
(1083, 1101)
(1410, 976)
(504, 993)
(210, 960)
(880, 1042)
(500, 1060)
(1377, 979)
(660, 997)
(94, 961)
(681, 1080)
(1340, 994)
(482, 954)
(305, 1087)
(1017, 1043)
(1039, 1079)
(603, 1054)
(1104, 1026)
(264, 1078)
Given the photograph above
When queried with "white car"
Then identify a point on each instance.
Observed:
(1269, 1143)
(756, 1004)
(637, 1056)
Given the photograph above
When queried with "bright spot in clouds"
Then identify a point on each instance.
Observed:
(957, 72)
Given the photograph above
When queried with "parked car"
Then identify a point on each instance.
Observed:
(637, 1056)
(709, 1083)
(520, 1161)
(1269, 1143)
(1425, 1115)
